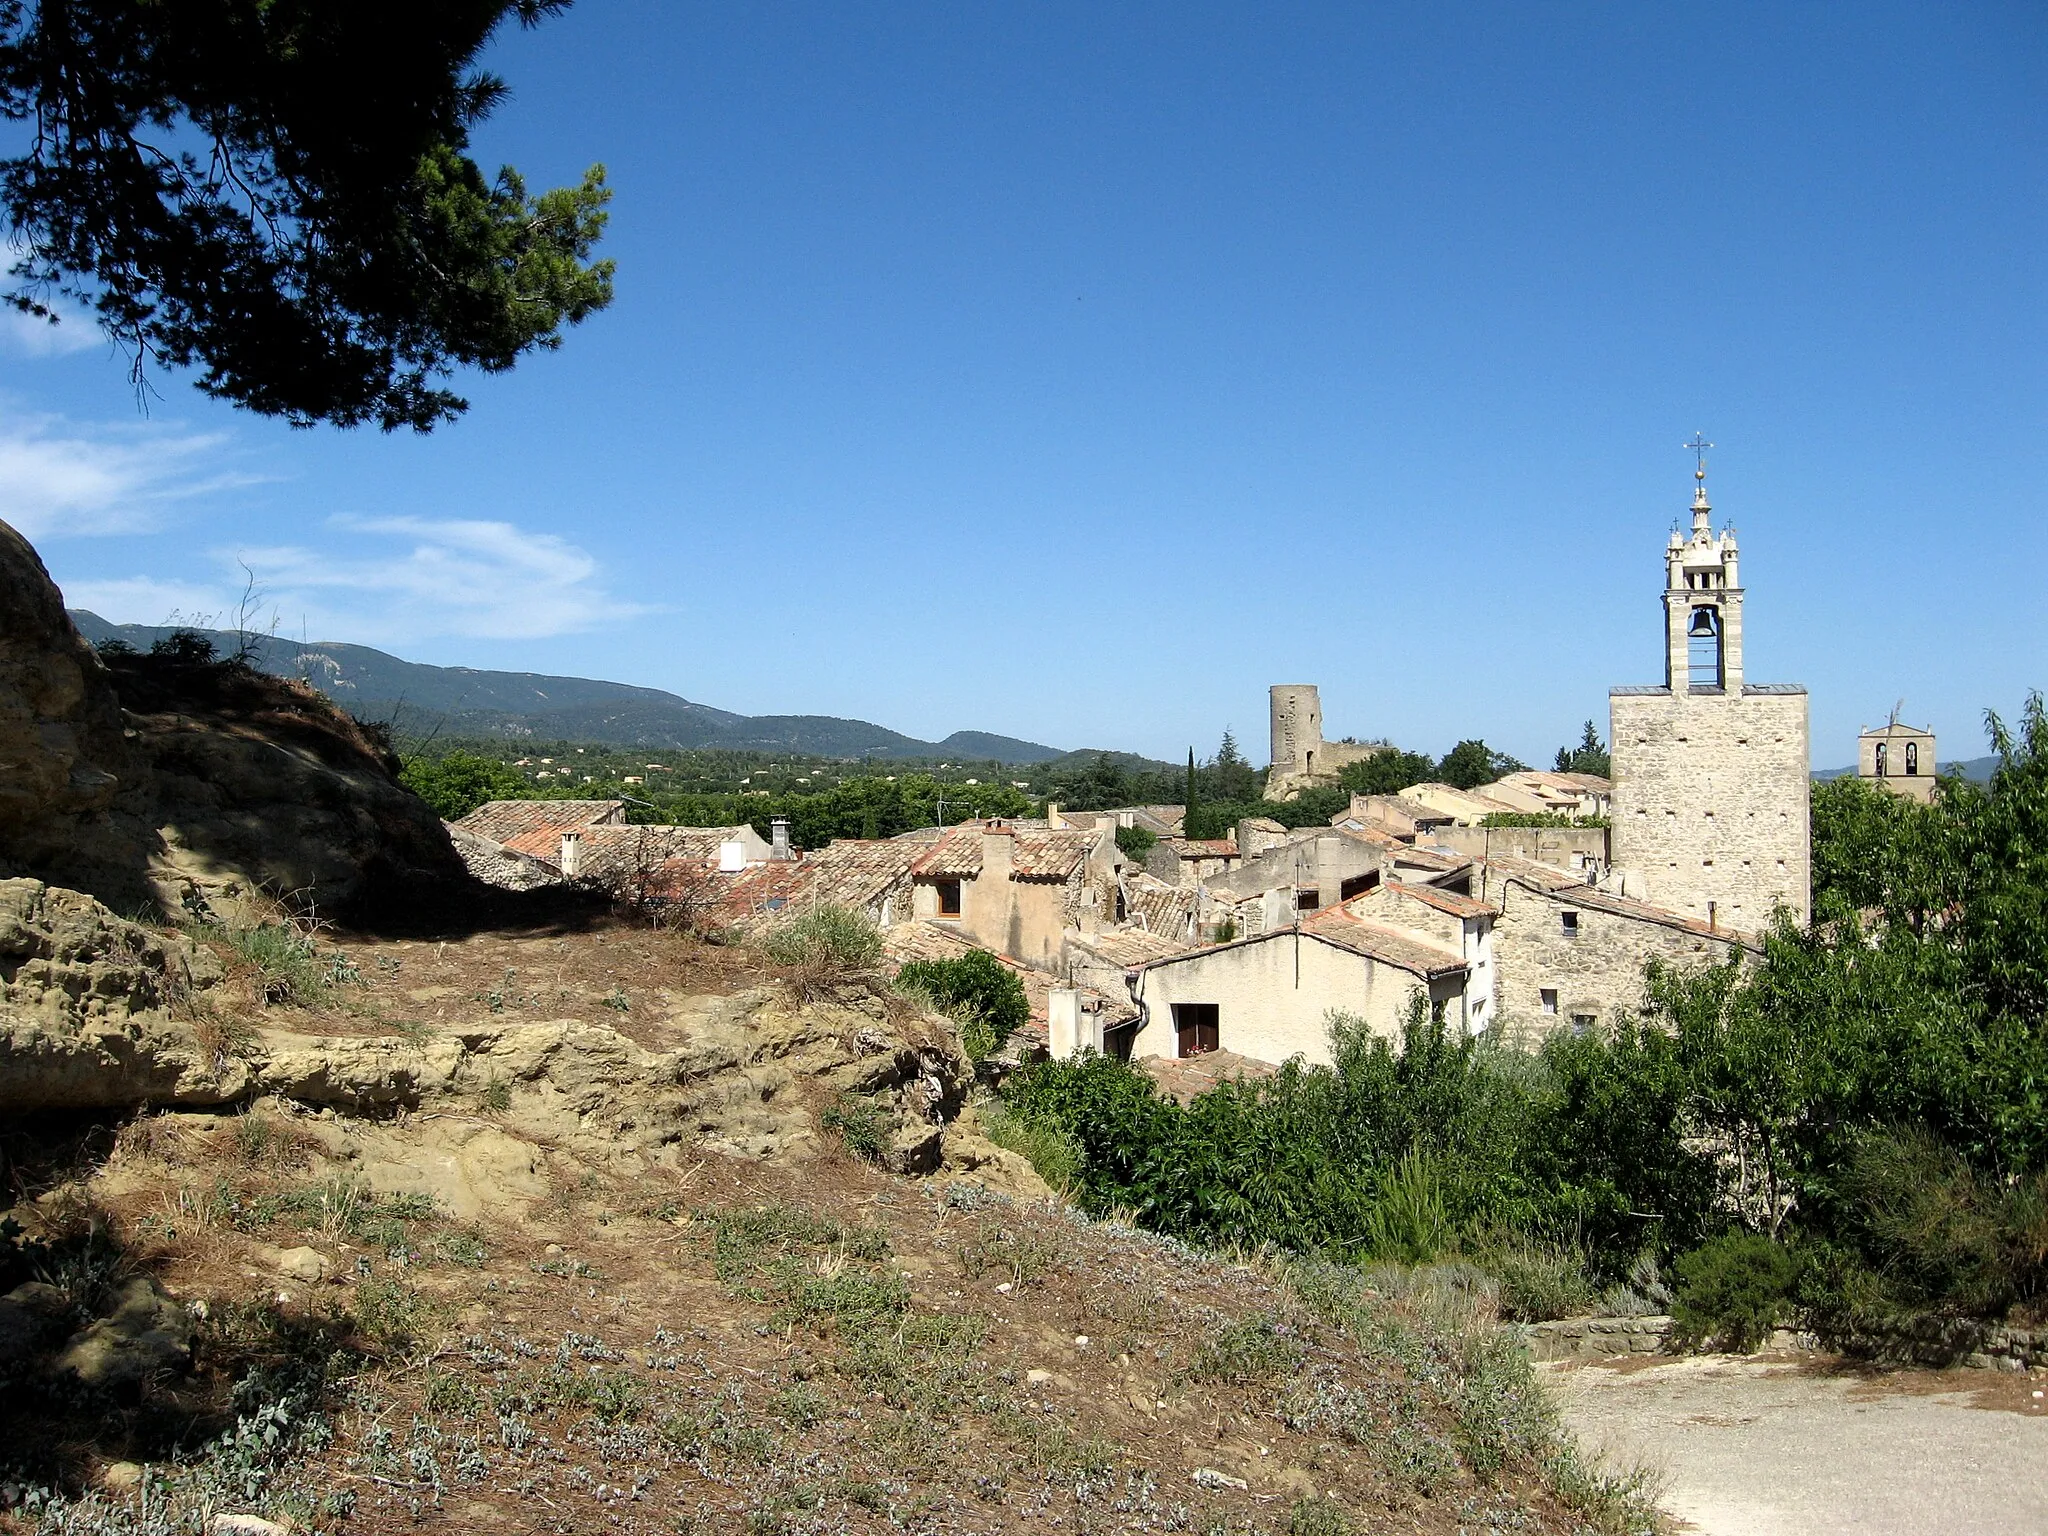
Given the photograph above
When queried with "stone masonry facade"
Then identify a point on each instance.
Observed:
(1711, 771)
(1710, 803)
(1574, 955)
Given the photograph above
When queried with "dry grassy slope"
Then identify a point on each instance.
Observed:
(619, 1313)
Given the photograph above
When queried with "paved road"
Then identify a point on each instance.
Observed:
(1810, 1446)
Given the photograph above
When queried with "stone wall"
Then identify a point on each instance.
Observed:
(1597, 974)
(1939, 1343)
(1710, 801)
(1570, 848)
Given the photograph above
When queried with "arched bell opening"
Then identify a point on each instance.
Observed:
(1703, 650)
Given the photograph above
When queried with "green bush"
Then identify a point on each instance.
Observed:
(862, 1124)
(1053, 1154)
(1733, 1291)
(825, 947)
(984, 996)
(1540, 1282)
(458, 783)
(1136, 842)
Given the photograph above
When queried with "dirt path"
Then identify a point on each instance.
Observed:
(1808, 1446)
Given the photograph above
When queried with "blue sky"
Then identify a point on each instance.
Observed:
(1075, 372)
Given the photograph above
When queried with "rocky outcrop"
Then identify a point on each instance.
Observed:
(100, 1013)
(66, 756)
(179, 780)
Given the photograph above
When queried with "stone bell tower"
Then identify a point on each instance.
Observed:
(1711, 770)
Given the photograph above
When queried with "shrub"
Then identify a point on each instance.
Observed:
(976, 990)
(1733, 1291)
(1408, 1222)
(1053, 1154)
(1135, 842)
(825, 947)
(1541, 1282)
(1948, 1232)
(862, 1124)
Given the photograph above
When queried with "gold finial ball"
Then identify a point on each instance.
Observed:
(1699, 474)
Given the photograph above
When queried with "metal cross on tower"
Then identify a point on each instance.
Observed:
(1699, 445)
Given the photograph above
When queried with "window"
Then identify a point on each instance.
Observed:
(1307, 901)
(1883, 760)
(949, 897)
(1581, 1023)
(1568, 922)
(1196, 1028)
(1358, 885)
(1549, 996)
(1912, 759)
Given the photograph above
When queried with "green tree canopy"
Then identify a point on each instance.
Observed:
(277, 193)
(1472, 763)
(1589, 756)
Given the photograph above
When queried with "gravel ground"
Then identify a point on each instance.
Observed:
(1810, 1445)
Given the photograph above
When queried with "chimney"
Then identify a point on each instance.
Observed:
(778, 839)
(998, 849)
(572, 854)
(1063, 1022)
(1052, 816)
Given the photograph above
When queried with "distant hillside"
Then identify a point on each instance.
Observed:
(1977, 769)
(462, 701)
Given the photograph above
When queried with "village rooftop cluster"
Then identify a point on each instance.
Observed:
(1530, 904)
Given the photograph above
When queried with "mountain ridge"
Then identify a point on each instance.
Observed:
(416, 697)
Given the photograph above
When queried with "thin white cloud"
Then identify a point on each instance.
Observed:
(486, 580)
(62, 480)
(27, 336)
(147, 600)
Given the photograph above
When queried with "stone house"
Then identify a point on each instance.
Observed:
(1188, 862)
(1463, 925)
(1899, 758)
(1269, 997)
(1405, 819)
(1711, 771)
(1466, 807)
(1582, 850)
(1569, 954)
(1017, 893)
(1316, 867)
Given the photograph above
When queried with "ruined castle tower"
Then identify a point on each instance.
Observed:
(1710, 770)
(1297, 716)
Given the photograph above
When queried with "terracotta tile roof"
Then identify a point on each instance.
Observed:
(609, 850)
(1184, 1077)
(1341, 926)
(1335, 925)
(1444, 901)
(1130, 947)
(1444, 860)
(853, 872)
(503, 820)
(1040, 855)
(1564, 886)
(1207, 848)
(1157, 906)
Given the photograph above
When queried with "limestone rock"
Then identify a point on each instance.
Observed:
(245, 1525)
(30, 1315)
(972, 1156)
(65, 756)
(309, 1266)
(162, 781)
(145, 1335)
